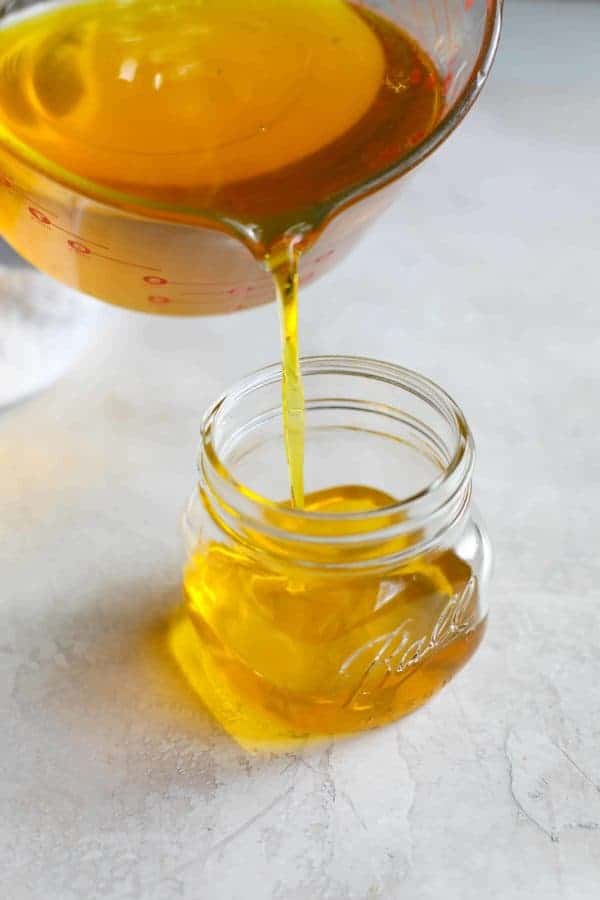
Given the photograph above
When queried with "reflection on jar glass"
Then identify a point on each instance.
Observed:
(357, 608)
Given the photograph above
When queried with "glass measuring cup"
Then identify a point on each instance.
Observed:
(167, 258)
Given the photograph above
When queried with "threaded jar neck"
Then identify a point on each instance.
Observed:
(368, 423)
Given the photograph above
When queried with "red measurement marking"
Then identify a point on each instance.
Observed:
(205, 293)
(79, 236)
(158, 300)
(33, 200)
(448, 82)
(124, 262)
(324, 256)
(79, 248)
(39, 216)
(85, 251)
(388, 154)
(151, 279)
(223, 291)
(416, 138)
(416, 75)
(9, 184)
(469, 4)
(232, 292)
(209, 304)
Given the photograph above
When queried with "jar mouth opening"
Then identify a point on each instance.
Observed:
(453, 475)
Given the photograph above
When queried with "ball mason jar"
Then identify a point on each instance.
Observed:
(356, 609)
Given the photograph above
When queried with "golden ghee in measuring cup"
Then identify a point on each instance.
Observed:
(149, 150)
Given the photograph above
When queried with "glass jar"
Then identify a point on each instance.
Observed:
(352, 611)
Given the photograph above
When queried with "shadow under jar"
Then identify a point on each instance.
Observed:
(356, 609)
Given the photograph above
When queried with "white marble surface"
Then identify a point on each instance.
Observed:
(114, 784)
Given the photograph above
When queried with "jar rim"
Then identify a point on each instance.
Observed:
(454, 475)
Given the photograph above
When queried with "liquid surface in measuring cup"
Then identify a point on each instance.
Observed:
(256, 111)
(291, 650)
(213, 103)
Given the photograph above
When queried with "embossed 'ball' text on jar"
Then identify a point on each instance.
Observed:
(356, 609)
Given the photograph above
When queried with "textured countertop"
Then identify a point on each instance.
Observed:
(113, 781)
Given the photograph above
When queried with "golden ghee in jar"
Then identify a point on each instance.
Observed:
(355, 609)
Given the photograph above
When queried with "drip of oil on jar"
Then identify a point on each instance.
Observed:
(288, 651)
(255, 114)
